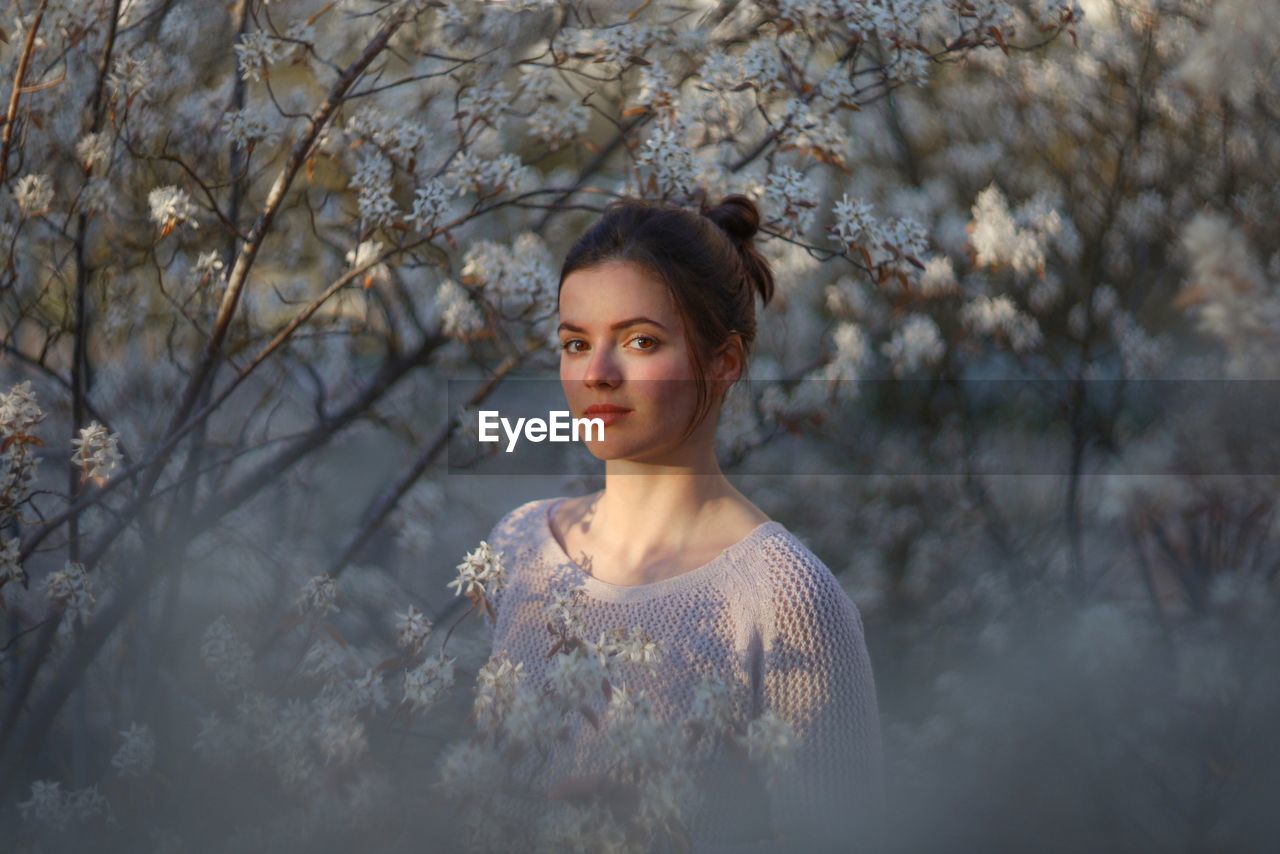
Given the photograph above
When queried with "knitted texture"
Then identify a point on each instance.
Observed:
(767, 616)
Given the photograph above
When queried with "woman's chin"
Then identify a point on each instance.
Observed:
(605, 451)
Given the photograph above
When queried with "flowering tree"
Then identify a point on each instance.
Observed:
(241, 244)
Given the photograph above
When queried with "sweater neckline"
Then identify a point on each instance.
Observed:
(611, 592)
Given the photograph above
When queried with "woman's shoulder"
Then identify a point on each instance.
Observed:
(802, 588)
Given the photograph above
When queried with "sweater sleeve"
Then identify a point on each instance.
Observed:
(818, 677)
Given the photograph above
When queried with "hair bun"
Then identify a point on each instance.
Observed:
(737, 215)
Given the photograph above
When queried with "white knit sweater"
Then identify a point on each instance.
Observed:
(766, 615)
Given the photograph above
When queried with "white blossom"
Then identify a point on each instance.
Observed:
(665, 163)
(10, 567)
(496, 685)
(412, 630)
(467, 768)
(557, 125)
(430, 203)
(171, 207)
(721, 71)
(424, 684)
(986, 315)
(460, 317)
(567, 610)
(34, 194)
(94, 148)
(136, 756)
(96, 452)
(770, 739)
(250, 126)
(226, 654)
(790, 198)
(480, 573)
(325, 658)
(938, 278)
(915, 343)
(54, 808)
(71, 589)
(713, 705)
(258, 51)
(853, 221)
(19, 411)
(319, 596)
(364, 254)
(575, 677)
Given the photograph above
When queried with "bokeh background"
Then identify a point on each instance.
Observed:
(246, 246)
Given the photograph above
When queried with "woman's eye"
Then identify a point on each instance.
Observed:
(653, 342)
(568, 345)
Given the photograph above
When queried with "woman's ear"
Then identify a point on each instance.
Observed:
(729, 360)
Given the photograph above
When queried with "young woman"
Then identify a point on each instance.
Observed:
(657, 320)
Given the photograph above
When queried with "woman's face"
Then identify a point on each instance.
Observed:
(622, 343)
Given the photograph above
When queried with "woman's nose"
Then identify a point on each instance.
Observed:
(603, 368)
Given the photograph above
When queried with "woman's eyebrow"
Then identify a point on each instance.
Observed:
(621, 324)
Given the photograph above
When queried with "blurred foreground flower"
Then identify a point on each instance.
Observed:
(138, 753)
(96, 452)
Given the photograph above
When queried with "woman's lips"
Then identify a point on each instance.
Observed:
(608, 415)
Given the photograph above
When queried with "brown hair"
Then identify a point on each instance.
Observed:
(707, 259)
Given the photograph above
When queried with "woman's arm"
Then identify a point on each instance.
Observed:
(817, 677)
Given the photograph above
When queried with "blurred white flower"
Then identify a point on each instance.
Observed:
(415, 517)
(34, 194)
(54, 808)
(721, 71)
(426, 683)
(319, 596)
(250, 126)
(368, 690)
(45, 805)
(138, 753)
(10, 568)
(460, 317)
(557, 125)
(226, 655)
(430, 203)
(916, 343)
(713, 704)
(96, 452)
(638, 648)
(985, 315)
(19, 412)
(566, 610)
(789, 198)
(93, 148)
(938, 278)
(496, 684)
(770, 739)
(72, 589)
(1019, 240)
(366, 253)
(665, 164)
(171, 207)
(412, 630)
(325, 658)
(575, 677)
(470, 769)
(256, 52)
